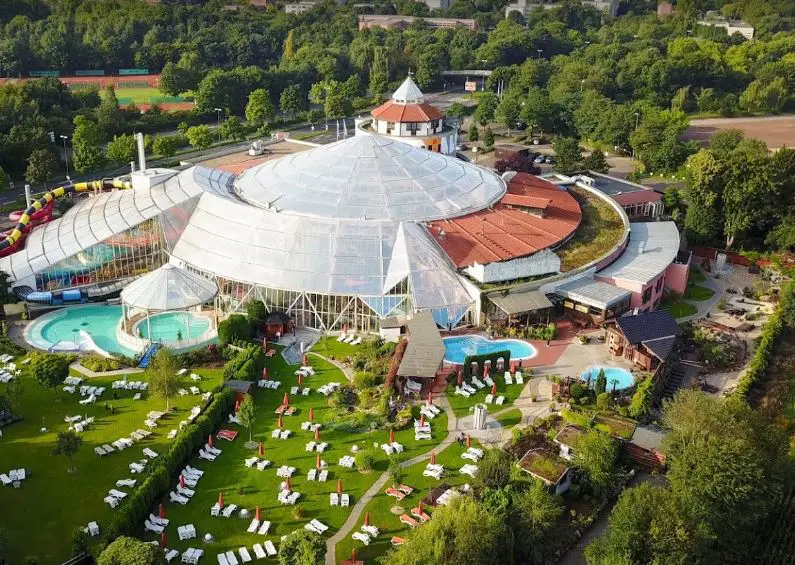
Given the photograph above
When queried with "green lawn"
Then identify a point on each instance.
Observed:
(52, 502)
(461, 404)
(696, 275)
(680, 309)
(698, 293)
(510, 418)
(600, 230)
(144, 95)
(329, 347)
(380, 506)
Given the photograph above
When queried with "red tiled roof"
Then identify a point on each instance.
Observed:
(393, 112)
(526, 201)
(503, 233)
(637, 197)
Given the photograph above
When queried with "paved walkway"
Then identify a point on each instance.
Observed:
(91, 374)
(345, 370)
(378, 485)
(704, 306)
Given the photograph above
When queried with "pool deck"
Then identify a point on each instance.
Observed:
(575, 359)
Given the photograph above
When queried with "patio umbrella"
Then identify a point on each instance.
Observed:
(237, 406)
(264, 343)
(162, 510)
(469, 441)
(264, 373)
(460, 377)
(220, 500)
(494, 389)
(366, 518)
(339, 486)
(287, 485)
(311, 414)
(430, 398)
(261, 449)
(181, 483)
(163, 542)
(345, 328)
(300, 379)
(304, 362)
(210, 440)
(422, 420)
(317, 434)
(419, 506)
(391, 436)
(433, 458)
(318, 465)
(279, 422)
(353, 555)
(257, 515)
(286, 399)
(485, 370)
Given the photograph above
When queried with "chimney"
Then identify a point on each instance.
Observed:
(139, 137)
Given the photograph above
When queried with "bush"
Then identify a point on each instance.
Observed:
(366, 459)
(603, 400)
(365, 379)
(641, 404)
(481, 360)
(235, 327)
(99, 364)
(164, 470)
(577, 391)
(50, 369)
(245, 365)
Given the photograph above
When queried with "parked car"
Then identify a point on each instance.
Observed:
(538, 160)
(548, 160)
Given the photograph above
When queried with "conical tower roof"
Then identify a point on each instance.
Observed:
(408, 93)
(169, 288)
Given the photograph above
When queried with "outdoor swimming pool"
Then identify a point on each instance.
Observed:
(173, 326)
(78, 325)
(457, 348)
(622, 378)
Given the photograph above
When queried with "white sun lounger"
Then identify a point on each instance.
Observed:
(259, 552)
(150, 527)
(178, 499)
(230, 556)
(362, 537)
(270, 548)
(172, 553)
(253, 526)
(229, 510)
(263, 528)
(222, 560)
(245, 557)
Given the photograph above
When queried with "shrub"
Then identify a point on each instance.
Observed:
(365, 379)
(577, 391)
(603, 400)
(481, 360)
(50, 369)
(233, 328)
(641, 404)
(99, 364)
(366, 459)
(245, 365)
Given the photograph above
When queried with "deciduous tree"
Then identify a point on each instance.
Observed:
(163, 378)
(67, 444)
(122, 149)
(595, 454)
(259, 109)
(301, 548)
(41, 166)
(199, 137)
(130, 551)
(49, 369)
(247, 416)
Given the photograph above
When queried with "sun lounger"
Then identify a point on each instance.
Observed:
(321, 447)
(518, 378)
(93, 528)
(270, 548)
(396, 493)
(262, 464)
(178, 498)
(320, 527)
(112, 501)
(251, 461)
(229, 510)
(263, 528)
(322, 476)
(99, 451)
(345, 500)
(244, 555)
(172, 553)
(409, 521)
(405, 489)
(341, 337)
(149, 453)
(500, 400)
(253, 526)
(150, 527)
(185, 491)
(489, 399)
(396, 541)
(5, 480)
(334, 499)
(349, 339)
(431, 473)
(285, 434)
(422, 436)
(113, 492)
(423, 517)
(387, 448)
(311, 475)
(259, 552)
(488, 381)
(310, 446)
(222, 560)
(205, 455)
(362, 537)
(305, 391)
(129, 483)
(159, 521)
(215, 510)
(276, 433)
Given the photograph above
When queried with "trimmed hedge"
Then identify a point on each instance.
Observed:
(782, 317)
(164, 471)
(482, 358)
(245, 365)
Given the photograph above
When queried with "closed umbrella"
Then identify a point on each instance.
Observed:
(433, 458)
(261, 449)
(304, 361)
(220, 500)
(237, 406)
(469, 442)
(366, 518)
(317, 434)
(494, 389)
(264, 343)
(353, 555)
(181, 483)
(279, 422)
(419, 506)
(391, 436)
(317, 462)
(257, 515)
(430, 398)
(264, 373)
(210, 440)
(162, 511)
(422, 420)
(311, 414)
(485, 370)
(460, 377)
(163, 542)
(300, 379)
(339, 486)
(287, 485)
(286, 399)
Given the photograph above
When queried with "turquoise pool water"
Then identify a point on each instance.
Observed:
(457, 348)
(623, 377)
(166, 326)
(99, 322)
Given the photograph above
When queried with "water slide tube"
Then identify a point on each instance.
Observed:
(42, 207)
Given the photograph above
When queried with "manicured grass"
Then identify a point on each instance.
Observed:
(143, 95)
(329, 347)
(461, 404)
(696, 275)
(388, 523)
(510, 418)
(52, 502)
(680, 309)
(698, 293)
(600, 230)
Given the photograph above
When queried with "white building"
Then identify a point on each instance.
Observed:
(525, 7)
(408, 118)
(731, 26)
(299, 7)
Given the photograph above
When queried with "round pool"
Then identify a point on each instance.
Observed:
(78, 328)
(616, 377)
(457, 348)
(173, 326)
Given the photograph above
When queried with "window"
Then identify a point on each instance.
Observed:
(390, 126)
(659, 284)
(413, 128)
(647, 295)
(434, 125)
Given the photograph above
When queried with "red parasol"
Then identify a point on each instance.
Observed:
(317, 434)
(460, 377)
(257, 515)
(287, 485)
(264, 343)
(264, 373)
(261, 449)
(304, 362)
(279, 422)
(162, 512)
(181, 483)
(366, 518)
(311, 414)
(210, 440)
(494, 389)
(339, 486)
(485, 370)
(433, 458)
(317, 462)
(353, 555)
(237, 406)
(419, 506)
(391, 436)
(300, 379)
(286, 399)
(469, 442)
(220, 500)
(163, 542)
(430, 398)
(422, 420)
(345, 328)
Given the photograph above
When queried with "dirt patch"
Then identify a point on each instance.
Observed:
(775, 131)
(397, 510)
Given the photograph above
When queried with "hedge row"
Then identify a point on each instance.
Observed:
(482, 358)
(164, 472)
(764, 352)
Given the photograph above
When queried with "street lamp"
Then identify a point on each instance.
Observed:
(219, 110)
(637, 119)
(483, 78)
(65, 155)
(475, 151)
(539, 51)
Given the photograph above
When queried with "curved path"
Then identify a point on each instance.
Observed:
(337, 364)
(358, 508)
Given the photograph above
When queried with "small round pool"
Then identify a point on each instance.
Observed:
(457, 348)
(78, 328)
(173, 326)
(617, 377)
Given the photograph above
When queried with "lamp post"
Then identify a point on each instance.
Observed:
(65, 155)
(475, 151)
(483, 78)
(219, 111)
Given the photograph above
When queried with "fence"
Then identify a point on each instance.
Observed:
(711, 253)
(125, 72)
(90, 73)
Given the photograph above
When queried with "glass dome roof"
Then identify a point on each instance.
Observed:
(370, 178)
